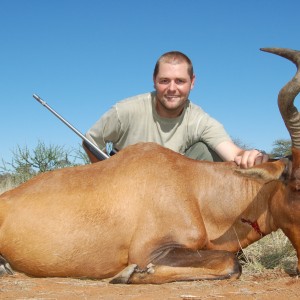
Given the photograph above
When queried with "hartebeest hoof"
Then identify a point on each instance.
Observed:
(124, 275)
(5, 268)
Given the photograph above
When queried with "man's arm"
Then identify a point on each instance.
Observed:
(106, 129)
(244, 158)
(89, 153)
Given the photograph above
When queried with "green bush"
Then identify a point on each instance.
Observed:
(26, 163)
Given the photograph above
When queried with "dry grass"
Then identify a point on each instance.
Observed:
(274, 251)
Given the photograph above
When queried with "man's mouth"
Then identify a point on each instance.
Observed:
(172, 97)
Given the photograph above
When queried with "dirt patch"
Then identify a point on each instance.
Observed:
(267, 285)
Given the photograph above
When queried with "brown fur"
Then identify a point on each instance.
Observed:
(265, 171)
(135, 208)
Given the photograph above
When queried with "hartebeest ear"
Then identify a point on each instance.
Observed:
(266, 171)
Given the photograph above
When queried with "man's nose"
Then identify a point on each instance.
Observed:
(172, 86)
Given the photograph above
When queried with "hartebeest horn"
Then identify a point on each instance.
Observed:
(288, 94)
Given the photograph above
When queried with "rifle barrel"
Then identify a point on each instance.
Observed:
(96, 151)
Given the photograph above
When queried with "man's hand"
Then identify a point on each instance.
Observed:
(250, 158)
(244, 158)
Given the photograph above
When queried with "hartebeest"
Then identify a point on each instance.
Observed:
(150, 215)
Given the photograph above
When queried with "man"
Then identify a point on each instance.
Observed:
(167, 117)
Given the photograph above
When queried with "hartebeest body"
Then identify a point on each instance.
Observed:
(150, 215)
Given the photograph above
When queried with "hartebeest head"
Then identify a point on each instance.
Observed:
(289, 214)
(289, 112)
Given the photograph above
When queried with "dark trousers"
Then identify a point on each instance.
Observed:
(200, 151)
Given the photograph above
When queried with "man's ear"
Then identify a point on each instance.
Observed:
(154, 84)
(193, 81)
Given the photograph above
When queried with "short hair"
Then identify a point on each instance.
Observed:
(174, 57)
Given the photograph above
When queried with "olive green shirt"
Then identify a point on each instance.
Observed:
(135, 120)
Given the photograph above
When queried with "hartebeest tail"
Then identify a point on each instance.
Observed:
(150, 215)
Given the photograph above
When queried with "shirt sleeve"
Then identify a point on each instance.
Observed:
(106, 129)
(211, 132)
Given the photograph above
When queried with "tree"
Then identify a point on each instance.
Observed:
(281, 148)
(240, 143)
(82, 156)
(27, 163)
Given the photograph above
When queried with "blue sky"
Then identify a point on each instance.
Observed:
(83, 56)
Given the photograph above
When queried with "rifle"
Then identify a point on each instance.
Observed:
(87, 143)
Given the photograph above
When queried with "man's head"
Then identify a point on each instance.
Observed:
(173, 79)
(174, 57)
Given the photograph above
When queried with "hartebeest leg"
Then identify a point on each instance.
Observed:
(183, 265)
(5, 268)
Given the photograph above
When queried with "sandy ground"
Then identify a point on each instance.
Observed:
(267, 285)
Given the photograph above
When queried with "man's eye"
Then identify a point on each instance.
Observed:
(164, 81)
(180, 81)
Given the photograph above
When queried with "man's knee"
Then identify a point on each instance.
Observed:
(200, 151)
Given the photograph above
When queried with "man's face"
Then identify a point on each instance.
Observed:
(173, 85)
